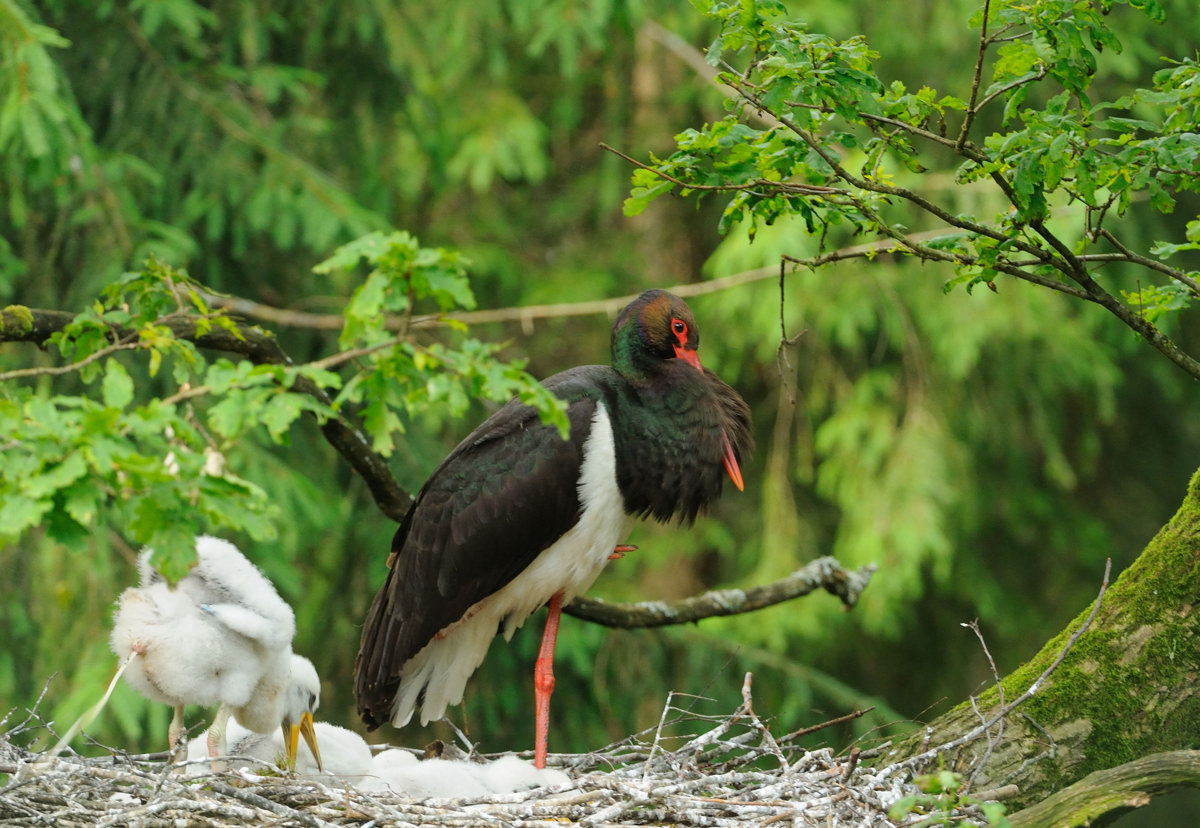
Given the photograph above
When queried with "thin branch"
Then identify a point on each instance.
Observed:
(693, 58)
(1176, 274)
(1132, 319)
(991, 745)
(969, 117)
(758, 183)
(334, 360)
(58, 370)
(804, 731)
(823, 573)
(1039, 75)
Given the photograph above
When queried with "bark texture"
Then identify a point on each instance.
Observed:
(1128, 688)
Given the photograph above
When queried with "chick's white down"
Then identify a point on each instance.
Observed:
(221, 636)
(399, 772)
(344, 754)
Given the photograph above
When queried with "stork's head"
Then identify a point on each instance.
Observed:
(653, 328)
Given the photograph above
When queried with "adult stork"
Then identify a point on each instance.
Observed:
(221, 636)
(517, 517)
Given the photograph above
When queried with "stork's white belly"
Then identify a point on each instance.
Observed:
(570, 565)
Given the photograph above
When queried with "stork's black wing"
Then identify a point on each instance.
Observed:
(506, 493)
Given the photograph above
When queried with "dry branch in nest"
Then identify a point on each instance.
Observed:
(733, 772)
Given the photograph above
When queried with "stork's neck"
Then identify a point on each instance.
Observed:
(630, 356)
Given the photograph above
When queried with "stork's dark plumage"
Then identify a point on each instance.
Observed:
(516, 517)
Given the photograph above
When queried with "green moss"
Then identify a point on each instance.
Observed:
(16, 321)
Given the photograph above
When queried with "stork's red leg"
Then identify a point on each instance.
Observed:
(543, 681)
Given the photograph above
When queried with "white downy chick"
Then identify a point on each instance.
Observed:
(302, 698)
(221, 636)
(401, 773)
(509, 774)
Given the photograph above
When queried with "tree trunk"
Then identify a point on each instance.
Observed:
(1127, 688)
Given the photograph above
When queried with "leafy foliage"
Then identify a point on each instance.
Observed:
(985, 448)
(158, 469)
(836, 135)
(942, 793)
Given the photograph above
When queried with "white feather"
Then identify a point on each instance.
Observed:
(570, 565)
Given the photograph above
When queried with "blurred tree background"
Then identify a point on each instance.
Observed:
(987, 450)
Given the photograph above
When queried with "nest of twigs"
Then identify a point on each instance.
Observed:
(734, 772)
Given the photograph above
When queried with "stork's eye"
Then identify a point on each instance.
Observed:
(679, 328)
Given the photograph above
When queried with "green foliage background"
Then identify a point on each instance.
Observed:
(987, 450)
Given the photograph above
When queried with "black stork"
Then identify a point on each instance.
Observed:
(517, 517)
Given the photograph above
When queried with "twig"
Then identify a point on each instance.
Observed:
(789, 186)
(991, 740)
(969, 117)
(58, 370)
(1033, 688)
(804, 731)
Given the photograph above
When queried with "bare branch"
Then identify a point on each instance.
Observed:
(823, 573)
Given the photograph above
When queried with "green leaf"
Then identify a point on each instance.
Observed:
(228, 417)
(117, 388)
(57, 477)
(18, 513)
(280, 412)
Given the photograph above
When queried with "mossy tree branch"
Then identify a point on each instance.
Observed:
(1111, 791)
(1128, 688)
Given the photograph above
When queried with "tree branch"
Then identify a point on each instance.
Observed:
(823, 573)
(259, 347)
(1126, 786)
(969, 117)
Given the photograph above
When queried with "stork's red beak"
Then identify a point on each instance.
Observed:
(689, 355)
(692, 357)
(731, 466)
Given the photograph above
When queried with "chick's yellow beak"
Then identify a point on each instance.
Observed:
(292, 736)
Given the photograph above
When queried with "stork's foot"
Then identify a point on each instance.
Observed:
(619, 551)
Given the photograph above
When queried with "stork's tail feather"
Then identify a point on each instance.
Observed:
(374, 689)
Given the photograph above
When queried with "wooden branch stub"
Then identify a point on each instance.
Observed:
(1126, 786)
(823, 573)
